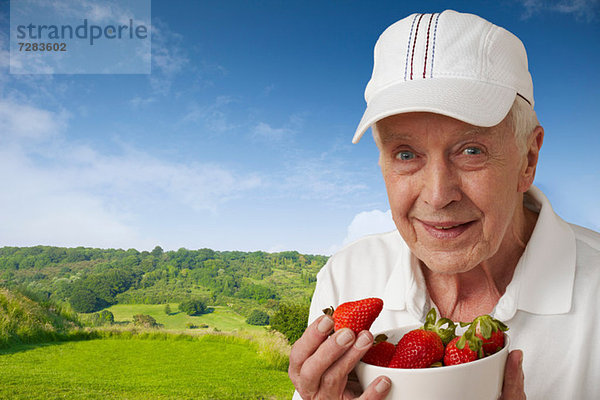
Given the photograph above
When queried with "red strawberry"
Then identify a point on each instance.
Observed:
(494, 344)
(381, 353)
(424, 347)
(356, 315)
(484, 336)
(418, 348)
(454, 355)
(491, 332)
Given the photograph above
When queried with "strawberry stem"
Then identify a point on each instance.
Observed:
(380, 338)
(435, 325)
(329, 311)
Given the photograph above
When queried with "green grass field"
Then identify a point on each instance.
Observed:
(222, 318)
(207, 367)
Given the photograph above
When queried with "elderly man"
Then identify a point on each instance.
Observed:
(450, 104)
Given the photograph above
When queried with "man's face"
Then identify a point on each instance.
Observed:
(453, 188)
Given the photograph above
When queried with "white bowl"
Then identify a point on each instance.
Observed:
(477, 380)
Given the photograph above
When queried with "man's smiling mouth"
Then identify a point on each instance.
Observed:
(446, 230)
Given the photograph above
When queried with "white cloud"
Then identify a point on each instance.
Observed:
(169, 57)
(369, 223)
(138, 102)
(328, 179)
(167, 53)
(22, 121)
(95, 12)
(214, 116)
(363, 224)
(43, 208)
(62, 193)
(268, 89)
(265, 131)
(581, 9)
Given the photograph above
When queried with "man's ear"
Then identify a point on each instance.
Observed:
(534, 144)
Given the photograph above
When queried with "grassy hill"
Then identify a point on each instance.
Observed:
(24, 320)
(221, 318)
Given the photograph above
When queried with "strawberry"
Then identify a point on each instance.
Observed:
(381, 353)
(356, 315)
(454, 355)
(424, 347)
(494, 344)
(491, 332)
(418, 348)
(484, 336)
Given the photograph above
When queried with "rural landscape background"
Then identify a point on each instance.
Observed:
(160, 234)
(129, 324)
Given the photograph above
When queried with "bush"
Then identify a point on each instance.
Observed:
(193, 307)
(190, 325)
(258, 317)
(146, 321)
(104, 317)
(291, 320)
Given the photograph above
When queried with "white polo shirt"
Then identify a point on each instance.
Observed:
(552, 305)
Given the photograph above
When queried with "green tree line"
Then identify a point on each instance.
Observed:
(90, 279)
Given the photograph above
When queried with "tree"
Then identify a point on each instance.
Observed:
(84, 300)
(258, 317)
(193, 307)
(157, 252)
(167, 309)
(291, 320)
(147, 321)
(106, 317)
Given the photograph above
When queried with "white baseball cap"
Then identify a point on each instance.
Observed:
(449, 63)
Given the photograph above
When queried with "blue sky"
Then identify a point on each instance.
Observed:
(240, 138)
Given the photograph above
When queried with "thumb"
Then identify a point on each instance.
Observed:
(377, 390)
(514, 380)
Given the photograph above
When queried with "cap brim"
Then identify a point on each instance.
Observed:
(474, 102)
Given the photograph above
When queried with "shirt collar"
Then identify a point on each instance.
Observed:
(542, 282)
(545, 274)
(406, 288)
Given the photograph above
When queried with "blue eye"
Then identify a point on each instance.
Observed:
(472, 151)
(405, 155)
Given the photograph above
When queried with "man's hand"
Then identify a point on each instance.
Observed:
(514, 380)
(320, 364)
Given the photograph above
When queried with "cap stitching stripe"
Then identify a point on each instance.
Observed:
(412, 57)
(408, 46)
(433, 44)
(427, 46)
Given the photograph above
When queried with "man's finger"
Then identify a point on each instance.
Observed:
(377, 390)
(313, 370)
(514, 380)
(334, 379)
(309, 342)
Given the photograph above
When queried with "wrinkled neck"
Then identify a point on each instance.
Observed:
(464, 296)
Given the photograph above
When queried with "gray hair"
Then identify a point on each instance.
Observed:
(523, 120)
(521, 117)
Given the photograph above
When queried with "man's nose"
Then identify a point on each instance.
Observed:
(441, 184)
